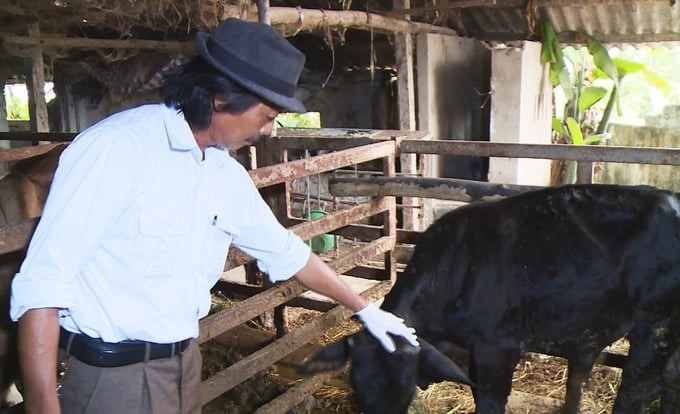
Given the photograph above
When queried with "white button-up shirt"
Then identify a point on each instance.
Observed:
(136, 230)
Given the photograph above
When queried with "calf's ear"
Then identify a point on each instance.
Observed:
(330, 358)
(434, 366)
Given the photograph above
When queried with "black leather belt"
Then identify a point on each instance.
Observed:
(94, 351)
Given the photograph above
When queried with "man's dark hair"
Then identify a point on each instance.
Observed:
(195, 86)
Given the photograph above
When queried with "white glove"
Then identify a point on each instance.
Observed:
(379, 323)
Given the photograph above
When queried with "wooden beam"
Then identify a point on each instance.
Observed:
(406, 105)
(439, 188)
(315, 19)
(595, 153)
(296, 394)
(263, 11)
(38, 136)
(280, 17)
(274, 174)
(280, 293)
(36, 85)
(59, 42)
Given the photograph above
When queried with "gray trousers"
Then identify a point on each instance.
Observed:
(160, 386)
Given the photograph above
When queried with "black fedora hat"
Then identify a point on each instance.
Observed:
(257, 57)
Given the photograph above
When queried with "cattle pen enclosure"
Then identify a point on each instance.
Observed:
(370, 221)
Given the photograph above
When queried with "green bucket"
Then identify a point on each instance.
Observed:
(324, 242)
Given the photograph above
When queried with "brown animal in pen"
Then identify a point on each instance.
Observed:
(23, 192)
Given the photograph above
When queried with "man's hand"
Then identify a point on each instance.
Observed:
(379, 323)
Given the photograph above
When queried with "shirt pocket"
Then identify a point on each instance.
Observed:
(220, 235)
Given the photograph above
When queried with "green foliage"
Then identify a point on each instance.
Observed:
(16, 97)
(641, 95)
(17, 108)
(577, 72)
(294, 120)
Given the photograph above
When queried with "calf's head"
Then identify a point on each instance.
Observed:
(385, 382)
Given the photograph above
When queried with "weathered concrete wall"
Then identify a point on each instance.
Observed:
(453, 101)
(520, 112)
(663, 176)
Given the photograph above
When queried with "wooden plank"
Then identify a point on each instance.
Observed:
(316, 19)
(60, 42)
(439, 188)
(324, 143)
(240, 371)
(241, 291)
(390, 221)
(593, 153)
(281, 18)
(295, 394)
(38, 136)
(406, 106)
(341, 218)
(215, 324)
(348, 134)
(307, 229)
(276, 174)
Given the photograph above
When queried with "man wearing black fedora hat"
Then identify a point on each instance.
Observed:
(141, 213)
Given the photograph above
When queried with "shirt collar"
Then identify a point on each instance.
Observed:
(181, 138)
(178, 131)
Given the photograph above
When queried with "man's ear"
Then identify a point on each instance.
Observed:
(434, 366)
(332, 357)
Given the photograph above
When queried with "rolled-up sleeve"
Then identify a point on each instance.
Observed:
(279, 252)
(92, 186)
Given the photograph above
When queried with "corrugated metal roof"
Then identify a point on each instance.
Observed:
(624, 22)
(613, 22)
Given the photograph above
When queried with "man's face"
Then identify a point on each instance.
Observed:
(234, 131)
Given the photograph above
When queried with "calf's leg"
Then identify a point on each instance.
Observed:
(580, 367)
(491, 370)
(651, 345)
(670, 399)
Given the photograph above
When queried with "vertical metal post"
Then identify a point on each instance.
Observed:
(584, 172)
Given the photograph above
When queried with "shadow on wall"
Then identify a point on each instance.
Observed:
(463, 103)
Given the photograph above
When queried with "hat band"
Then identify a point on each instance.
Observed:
(248, 71)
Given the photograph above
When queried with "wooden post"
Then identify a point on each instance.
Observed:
(390, 222)
(37, 105)
(4, 124)
(403, 48)
(277, 198)
(263, 12)
(584, 172)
